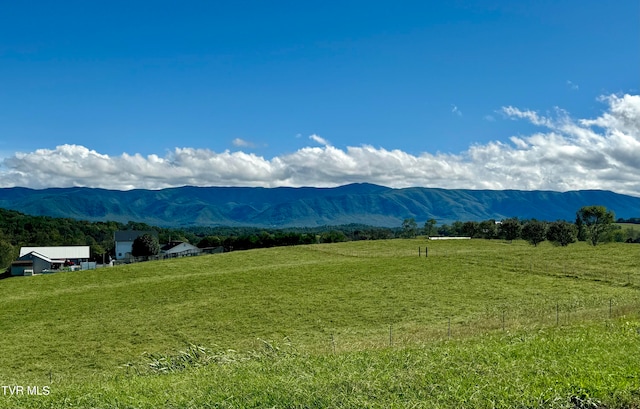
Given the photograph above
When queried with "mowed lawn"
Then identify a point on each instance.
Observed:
(343, 312)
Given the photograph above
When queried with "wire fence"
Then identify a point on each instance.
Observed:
(557, 315)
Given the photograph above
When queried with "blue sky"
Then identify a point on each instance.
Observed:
(157, 94)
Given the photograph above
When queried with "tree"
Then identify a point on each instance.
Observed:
(409, 228)
(430, 227)
(471, 229)
(456, 228)
(581, 231)
(597, 222)
(210, 241)
(333, 236)
(534, 231)
(7, 254)
(562, 233)
(510, 229)
(488, 229)
(145, 245)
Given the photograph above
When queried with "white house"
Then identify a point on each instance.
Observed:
(124, 241)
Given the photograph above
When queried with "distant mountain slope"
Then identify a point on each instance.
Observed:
(297, 207)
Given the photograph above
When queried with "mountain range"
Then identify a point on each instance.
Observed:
(307, 206)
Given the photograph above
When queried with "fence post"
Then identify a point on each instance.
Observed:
(610, 305)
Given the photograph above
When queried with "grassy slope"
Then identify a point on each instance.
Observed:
(336, 304)
(633, 226)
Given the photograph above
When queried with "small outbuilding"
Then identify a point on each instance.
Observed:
(31, 263)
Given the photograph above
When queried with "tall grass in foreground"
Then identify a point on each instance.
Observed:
(582, 366)
(475, 324)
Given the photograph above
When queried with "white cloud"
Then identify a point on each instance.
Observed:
(241, 143)
(573, 86)
(566, 154)
(531, 116)
(319, 139)
(455, 110)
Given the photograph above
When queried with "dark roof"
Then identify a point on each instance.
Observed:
(170, 245)
(131, 235)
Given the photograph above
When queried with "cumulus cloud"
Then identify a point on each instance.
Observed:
(565, 154)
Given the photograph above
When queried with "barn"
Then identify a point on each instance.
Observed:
(36, 260)
(31, 263)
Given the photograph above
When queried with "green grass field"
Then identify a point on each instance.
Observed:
(630, 230)
(360, 324)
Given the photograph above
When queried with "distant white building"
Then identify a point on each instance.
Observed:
(179, 249)
(36, 260)
(75, 254)
(124, 241)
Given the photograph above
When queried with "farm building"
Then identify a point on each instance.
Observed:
(124, 241)
(60, 254)
(36, 260)
(31, 263)
(179, 249)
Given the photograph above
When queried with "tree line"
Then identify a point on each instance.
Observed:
(593, 224)
(18, 230)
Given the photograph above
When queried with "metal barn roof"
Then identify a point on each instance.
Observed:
(59, 252)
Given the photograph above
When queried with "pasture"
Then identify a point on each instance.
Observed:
(632, 226)
(477, 323)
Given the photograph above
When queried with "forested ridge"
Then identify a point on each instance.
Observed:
(282, 207)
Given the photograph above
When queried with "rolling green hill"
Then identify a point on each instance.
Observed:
(360, 324)
(307, 207)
